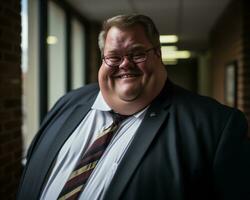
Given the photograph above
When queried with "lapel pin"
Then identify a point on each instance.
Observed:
(153, 114)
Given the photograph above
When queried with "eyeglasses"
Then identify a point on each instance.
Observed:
(135, 57)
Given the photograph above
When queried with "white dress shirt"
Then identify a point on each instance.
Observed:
(83, 136)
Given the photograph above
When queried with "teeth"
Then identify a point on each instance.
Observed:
(127, 76)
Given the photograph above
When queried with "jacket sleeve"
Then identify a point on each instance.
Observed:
(232, 160)
(48, 119)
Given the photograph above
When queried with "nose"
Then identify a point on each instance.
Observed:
(126, 63)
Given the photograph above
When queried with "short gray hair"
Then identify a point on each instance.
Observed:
(124, 21)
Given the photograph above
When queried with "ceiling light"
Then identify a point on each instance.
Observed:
(168, 39)
(176, 55)
(166, 49)
(170, 62)
(52, 39)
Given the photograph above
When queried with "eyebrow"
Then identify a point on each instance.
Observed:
(134, 47)
(137, 47)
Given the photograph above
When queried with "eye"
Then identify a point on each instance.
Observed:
(113, 59)
(138, 55)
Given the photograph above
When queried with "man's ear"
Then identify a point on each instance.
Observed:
(158, 51)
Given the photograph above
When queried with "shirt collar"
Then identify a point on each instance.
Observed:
(100, 104)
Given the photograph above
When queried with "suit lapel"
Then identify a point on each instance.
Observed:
(154, 118)
(49, 154)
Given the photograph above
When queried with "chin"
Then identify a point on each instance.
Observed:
(128, 98)
(129, 93)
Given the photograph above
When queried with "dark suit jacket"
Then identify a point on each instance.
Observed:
(188, 147)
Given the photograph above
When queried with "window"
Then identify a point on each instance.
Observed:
(78, 54)
(56, 53)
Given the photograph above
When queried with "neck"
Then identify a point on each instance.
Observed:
(131, 107)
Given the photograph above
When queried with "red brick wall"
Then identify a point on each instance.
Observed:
(10, 98)
(245, 90)
(226, 46)
(230, 42)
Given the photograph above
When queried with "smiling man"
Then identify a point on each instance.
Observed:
(136, 135)
(132, 73)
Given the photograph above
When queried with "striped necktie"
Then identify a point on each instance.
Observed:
(84, 167)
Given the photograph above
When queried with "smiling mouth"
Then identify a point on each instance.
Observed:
(127, 76)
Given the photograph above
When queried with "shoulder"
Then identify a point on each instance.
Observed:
(80, 95)
(200, 110)
(85, 91)
(205, 118)
(186, 99)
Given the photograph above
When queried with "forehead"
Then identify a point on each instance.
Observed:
(126, 38)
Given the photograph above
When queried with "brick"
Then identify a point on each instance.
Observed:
(18, 156)
(17, 28)
(5, 46)
(11, 57)
(2, 152)
(14, 35)
(12, 103)
(15, 134)
(1, 8)
(5, 138)
(3, 180)
(5, 22)
(12, 147)
(12, 125)
(12, 166)
(10, 91)
(5, 116)
(10, 188)
(11, 72)
(7, 3)
(17, 48)
(5, 159)
(14, 15)
(8, 64)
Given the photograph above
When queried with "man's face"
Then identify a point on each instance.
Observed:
(129, 82)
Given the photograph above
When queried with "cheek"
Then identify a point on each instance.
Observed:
(102, 76)
(106, 71)
(103, 73)
(105, 77)
(146, 69)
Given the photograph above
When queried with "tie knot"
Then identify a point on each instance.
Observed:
(118, 118)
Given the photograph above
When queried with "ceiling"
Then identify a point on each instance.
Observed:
(191, 20)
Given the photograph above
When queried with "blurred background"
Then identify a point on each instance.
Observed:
(49, 47)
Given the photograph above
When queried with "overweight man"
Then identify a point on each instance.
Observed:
(135, 135)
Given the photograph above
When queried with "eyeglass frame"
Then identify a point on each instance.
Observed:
(129, 56)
